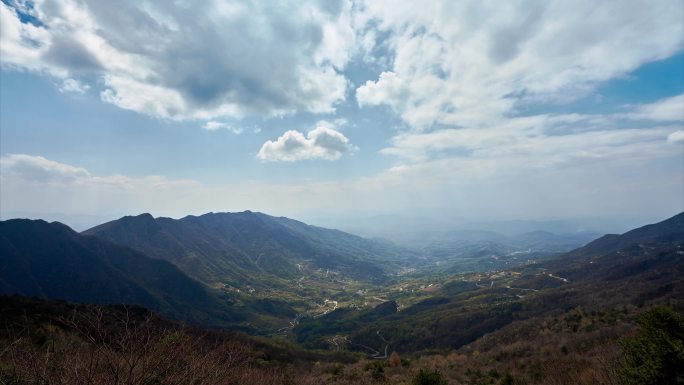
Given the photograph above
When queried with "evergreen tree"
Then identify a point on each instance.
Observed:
(655, 355)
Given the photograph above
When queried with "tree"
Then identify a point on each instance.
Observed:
(394, 360)
(655, 355)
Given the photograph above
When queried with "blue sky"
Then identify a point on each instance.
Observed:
(531, 110)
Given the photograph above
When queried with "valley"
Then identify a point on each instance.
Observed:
(333, 293)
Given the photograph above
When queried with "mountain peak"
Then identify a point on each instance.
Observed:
(143, 216)
(32, 225)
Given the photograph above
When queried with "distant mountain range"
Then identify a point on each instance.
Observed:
(459, 251)
(538, 240)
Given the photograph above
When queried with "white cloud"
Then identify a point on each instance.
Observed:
(537, 142)
(665, 110)
(527, 144)
(73, 85)
(22, 44)
(676, 137)
(34, 184)
(473, 63)
(457, 72)
(323, 142)
(182, 61)
(142, 97)
(39, 169)
(389, 89)
(33, 169)
(213, 125)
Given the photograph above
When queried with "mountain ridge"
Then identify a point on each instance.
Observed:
(51, 260)
(234, 247)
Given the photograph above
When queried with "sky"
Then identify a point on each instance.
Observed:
(459, 110)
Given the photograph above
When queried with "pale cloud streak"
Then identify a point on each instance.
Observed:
(465, 191)
(676, 137)
(665, 110)
(527, 144)
(73, 86)
(38, 170)
(213, 125)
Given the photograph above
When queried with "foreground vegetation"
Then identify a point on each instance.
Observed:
(60, 343)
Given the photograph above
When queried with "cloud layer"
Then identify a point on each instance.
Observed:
(178, 60)
(551, 139)
(464, 64)
(472, 63)
(323, 142)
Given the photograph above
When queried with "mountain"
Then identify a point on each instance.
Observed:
(249, 247)
(614, 274)
(569, 313)
(671, 228)
(648, 248)
(50, 260)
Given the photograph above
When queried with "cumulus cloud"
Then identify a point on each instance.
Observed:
(472, 63)
(388, 89)
(213, 125)
(181, 61)
(323, 142)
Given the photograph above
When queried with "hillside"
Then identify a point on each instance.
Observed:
(250, 248)
(642, 267)
(49, 260)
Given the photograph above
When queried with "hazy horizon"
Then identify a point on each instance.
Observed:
(396, 226)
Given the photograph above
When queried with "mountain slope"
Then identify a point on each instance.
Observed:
(247, 247)
(50, 260)
(672, 227)
(643, 267)
(612, 253)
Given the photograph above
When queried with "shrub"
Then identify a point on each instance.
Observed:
(425, 377)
